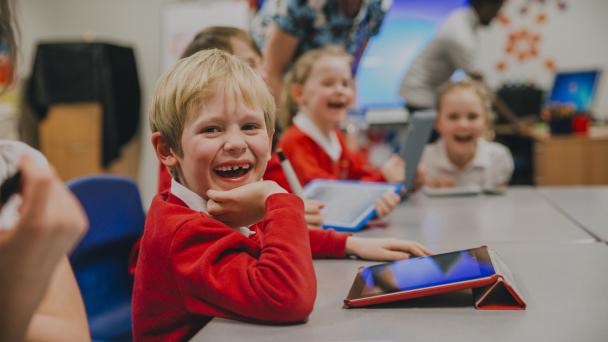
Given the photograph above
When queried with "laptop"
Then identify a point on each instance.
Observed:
(576, 88)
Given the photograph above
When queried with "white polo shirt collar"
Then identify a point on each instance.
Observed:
(331, 144)
(196, 202)
(481, 159)
(192, 199)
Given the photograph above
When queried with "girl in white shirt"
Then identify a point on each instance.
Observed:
(462, 156)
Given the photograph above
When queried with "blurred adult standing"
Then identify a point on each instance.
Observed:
(454, 47)
(284, 29)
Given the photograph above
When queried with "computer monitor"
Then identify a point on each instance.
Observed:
(576, 88)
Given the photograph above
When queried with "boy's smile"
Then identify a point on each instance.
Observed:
(225, 144)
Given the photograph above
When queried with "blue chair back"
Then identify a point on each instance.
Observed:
(101, 260)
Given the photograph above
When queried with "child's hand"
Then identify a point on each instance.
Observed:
(440, 182)
(394, 170)
(242, 206)
(312, 212)
(384, 249)
(386, 203)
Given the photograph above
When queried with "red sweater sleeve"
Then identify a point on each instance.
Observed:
(275, 283)
(327, 243)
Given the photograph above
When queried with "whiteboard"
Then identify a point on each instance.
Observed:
(181, 20)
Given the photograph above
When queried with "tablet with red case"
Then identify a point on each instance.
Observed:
(478, 269)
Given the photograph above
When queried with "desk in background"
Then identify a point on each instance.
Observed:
(558, 268)
(558, 159)
(571, 160)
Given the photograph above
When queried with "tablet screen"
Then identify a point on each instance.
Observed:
(347, 202)
(342, 204)
(422, 272)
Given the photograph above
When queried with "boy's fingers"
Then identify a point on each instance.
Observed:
(417, 249)
(314, 220)
(213, 208)
(425, 250)
(396, 255)
(405, 246)
(313, 204)
(220, 196)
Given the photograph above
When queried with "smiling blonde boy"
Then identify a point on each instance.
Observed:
(221, 242)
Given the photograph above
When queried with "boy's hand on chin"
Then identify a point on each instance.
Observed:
(242, 206)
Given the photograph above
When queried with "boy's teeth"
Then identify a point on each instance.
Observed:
(233, 168)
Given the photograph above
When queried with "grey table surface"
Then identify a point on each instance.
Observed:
(565, 287)
(523, 214)
(559, 270)
(587, 206)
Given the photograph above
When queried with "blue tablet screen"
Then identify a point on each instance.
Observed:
(424, 272)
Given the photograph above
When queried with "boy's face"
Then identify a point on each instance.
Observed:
(328, 92)
(461, 121)
(224, 145)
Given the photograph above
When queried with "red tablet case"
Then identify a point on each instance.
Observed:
(490, 293)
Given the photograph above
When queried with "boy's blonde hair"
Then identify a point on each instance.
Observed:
(299, 73)
(476, 87)
(184, 89)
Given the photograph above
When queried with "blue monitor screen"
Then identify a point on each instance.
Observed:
(575, 88)
(407, 28)
(424, 272)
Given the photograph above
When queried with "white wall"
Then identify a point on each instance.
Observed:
(136, 23)
(129, 22)
(576, 38)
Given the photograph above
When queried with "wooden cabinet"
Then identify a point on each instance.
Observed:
(571, 160)
(71, 139)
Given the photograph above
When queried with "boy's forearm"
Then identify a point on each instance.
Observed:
(281, 268)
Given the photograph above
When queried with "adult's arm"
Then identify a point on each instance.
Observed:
(51, 223)
(61, 315)
(278, 51)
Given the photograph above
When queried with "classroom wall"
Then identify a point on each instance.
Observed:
(136, 23)
(129, 22)
(574, 38)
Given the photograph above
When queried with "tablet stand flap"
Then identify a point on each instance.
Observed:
(498, 296)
